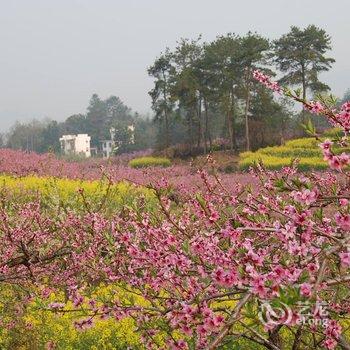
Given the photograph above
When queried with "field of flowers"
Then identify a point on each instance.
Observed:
(43, 187)
(100, 255)
(306, 150)
(29, 193)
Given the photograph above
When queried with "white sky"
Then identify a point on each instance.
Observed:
(56, 53)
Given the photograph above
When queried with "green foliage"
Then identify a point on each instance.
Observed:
(39, 136)
(216, 95)
(300, 55)
(162, 105)
(43, 136)
(309, 128)
(145, 162)
(75, 124)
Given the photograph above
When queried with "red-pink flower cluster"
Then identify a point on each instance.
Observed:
(266, 80)
(337, 162)
(315, 107)
(343, 117)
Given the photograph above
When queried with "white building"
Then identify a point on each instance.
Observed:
(107, 147)
(76, 144)
(131, 128)
(131, 131)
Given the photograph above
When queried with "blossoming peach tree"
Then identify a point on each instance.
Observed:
(267, 264)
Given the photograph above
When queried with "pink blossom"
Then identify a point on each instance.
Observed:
(265, 80)
(214, 216)
(305, 196)
(56, 305)
(333, 329)
(343, 221)
(343, 202)
(326, 145)
(330, 343)
(305, 289)
(345, 258)
(315, 107)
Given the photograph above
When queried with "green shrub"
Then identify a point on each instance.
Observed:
(334, 132)
(145, 162)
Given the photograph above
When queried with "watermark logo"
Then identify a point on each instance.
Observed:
(273, 315)
(303, 313)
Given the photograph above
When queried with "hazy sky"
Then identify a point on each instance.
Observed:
(56, 53)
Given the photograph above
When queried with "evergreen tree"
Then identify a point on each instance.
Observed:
(301, 56)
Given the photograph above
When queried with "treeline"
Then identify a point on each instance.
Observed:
(43, 136)
(204, 97)
(204, 91)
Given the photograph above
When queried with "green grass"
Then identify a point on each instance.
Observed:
(145, 162)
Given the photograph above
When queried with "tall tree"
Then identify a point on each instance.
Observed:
(301, 56)
(49, 137)
(270, 119)
(162, 70)
(25, 136)
(116, 110)
(205, 83)
(97, 120)
(186, 89)
(253, 50)
(2, 140)
(224, 53)
(75, 124)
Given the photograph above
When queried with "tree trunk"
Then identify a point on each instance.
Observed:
(167, 134)
(230, 130)
(166, 118)
(199, 115)
(190, 131)
(303, 114)
(232, 122)
(247, 102)
(283, 126)
(207, 131)
(275, 338)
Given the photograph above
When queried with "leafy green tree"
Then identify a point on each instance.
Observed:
(162, 104)
(223, 58)
(25, 136)
(301, 56)
(186, 87)
(124, 137)
(97, 120)
(49, 137)
(207, 80)
(145, 134)
(253, 51)
(270, 119)
(116, 110)
(2, 140)
(75, 124)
